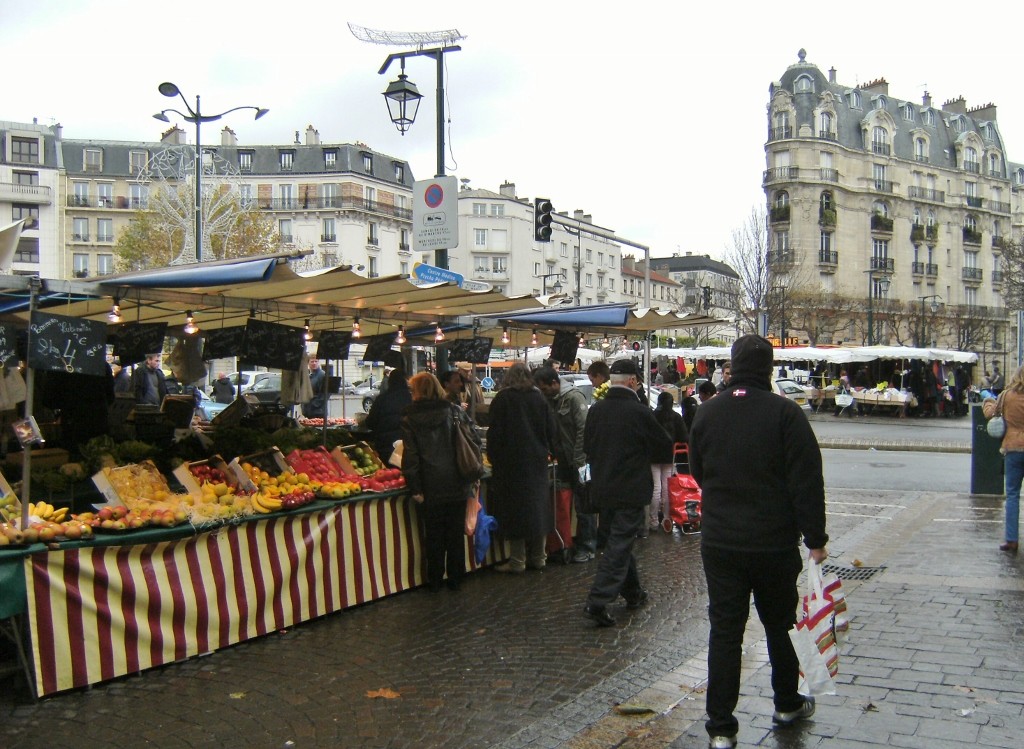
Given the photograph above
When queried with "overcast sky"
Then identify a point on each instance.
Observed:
(649, 116)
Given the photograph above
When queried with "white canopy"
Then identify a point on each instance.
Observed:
(840, 355)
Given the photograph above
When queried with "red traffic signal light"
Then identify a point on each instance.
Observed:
(637, 345)
(542, 210)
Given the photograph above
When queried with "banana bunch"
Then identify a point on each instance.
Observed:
(264, 503)
(46, 511)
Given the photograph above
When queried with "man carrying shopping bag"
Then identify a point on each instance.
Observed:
(753, 521)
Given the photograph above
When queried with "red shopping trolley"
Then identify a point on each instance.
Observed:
(683, 494)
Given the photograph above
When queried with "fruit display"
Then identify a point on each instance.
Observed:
(46, 511)
(10, 507)
(333, 421)
(284, 491)
(43, 531)
(340, 489)
(120, 518)
(138, 486)
(359, 459)
(317, 464)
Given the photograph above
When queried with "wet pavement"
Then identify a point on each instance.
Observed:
(932, 658)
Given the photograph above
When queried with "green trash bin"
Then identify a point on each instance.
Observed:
(986, 460)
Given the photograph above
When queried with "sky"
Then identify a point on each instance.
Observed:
(651, 117)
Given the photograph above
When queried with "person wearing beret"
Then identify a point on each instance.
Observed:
(758, 464)
(621, 440)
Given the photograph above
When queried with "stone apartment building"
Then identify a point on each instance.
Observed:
(899, 206)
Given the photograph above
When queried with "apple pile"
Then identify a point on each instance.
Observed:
(120, 518)
(207, 473)
(297, 498)
(43, 532)
(317, 465)
(382, 480)
(340, 489)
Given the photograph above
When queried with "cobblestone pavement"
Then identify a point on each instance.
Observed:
(932, 658)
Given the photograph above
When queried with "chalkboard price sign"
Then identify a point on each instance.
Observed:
(476, 350)
(67, 344)
(270, 344)
(134, 341)
(564, 347)
(8, 345)
(223, 343)
(379, 346)
(334, 344)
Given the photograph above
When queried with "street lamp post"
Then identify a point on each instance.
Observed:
(556, 287)
(706, 296)
(922, 336)
(882, 283)
(403, 100)
(196, 116)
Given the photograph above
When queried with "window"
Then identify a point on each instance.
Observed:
(245, 162)
(105, 230)
(403, 240)
(286, 159)
(28, 250)
(590, 255)
(284, 228)
(908, 112)
(880, 249)
(497, 210)
(479, 209)
(854, 99)
(826, 125)
(80, 264)
(400, 173)
(80, 230)
(328, 231)
(928, 117)
(880, 140)
(826, 241)
(994, 169)
(137, 161)
(536, 269)
(286, 197)
(1019, 177)
(826, 201)
(81, 193)
(880, 208)
(997, 230)
(920, 149)
(368, 163)
(105, 195)
(600, 260)
(372, 268)
(782, 242)
(971, 189)
(330, 159)
(959, 124)
(104, 264)
(403, 268)
(970, 222)
(92, 160)
(329, 196)
(781, 199)
(402, 202)
(917, 216)
(498, 265)
(931, 218)
(139, 196)
(804, 84)
(372, 234)
(370, 196)
(28, 212)
(480, 237)
(880, 173)
(26, 178)
(25, 150)
(563, 251)
(481, 264)
(971, 160)
(589, 280)
(245, 195)
(970, 296)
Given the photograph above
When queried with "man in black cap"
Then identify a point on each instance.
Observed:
(753, 520)
(621, 440)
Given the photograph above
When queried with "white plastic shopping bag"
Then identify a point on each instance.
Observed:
(814, 638)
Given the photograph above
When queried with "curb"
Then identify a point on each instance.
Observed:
(840, 443)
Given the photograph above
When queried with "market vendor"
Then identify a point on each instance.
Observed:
(148, 382)
(316, 408)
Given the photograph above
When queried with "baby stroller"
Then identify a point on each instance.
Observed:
(683, 495)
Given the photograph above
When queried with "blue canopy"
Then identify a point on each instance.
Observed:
(598, 315)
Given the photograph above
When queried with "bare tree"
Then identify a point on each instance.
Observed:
(1013, 274)
(749, 255)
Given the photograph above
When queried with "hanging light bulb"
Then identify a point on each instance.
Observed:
(581, 338)
(438, 334)
(400, 338)
(533, 338)
(190, 326)
(115, 311)
(355, 328)
(308, 335)
(505, 339)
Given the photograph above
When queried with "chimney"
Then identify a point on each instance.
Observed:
(577, 214)
(507, 189)
(926, 100)
(297, 141)
(227, 137)
(628, 262)
(173, 136)
(956, 106)
(983, 112)
(588, 218)
(878, 86)
(58, 131)
(312, 136)
(832, 74)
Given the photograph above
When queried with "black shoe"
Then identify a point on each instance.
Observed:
(638, 600)
(599, 616)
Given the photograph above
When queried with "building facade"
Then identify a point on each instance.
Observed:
(899, 206)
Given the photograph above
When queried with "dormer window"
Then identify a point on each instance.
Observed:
(368, 163)
(286, 160)
(854, 98)
(331, 158)
(908, 112)
(804, 85)
(928, 117)
(958, 124)
(880, 102)
(245, 162)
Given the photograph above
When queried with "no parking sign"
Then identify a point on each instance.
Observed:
(435, 214)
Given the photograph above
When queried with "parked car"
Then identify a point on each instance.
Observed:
(792, 390)
(367, 394)
(267, 388)
(208, 408)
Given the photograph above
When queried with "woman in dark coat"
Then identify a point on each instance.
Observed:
(663, 465)
(428, 464)
(521, 436)
(385, 417)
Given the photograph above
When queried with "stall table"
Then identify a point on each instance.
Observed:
(120, 604)
(897, 400)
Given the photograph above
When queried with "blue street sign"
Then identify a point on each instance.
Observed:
(487, 383)
(433, 274)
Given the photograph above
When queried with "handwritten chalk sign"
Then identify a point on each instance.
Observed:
(378, 346)
(270, 344)
(67, 344)
(565, 346)
(334, 344)
(476, 350)
(134, 341)
(8, 345)
(223, 343)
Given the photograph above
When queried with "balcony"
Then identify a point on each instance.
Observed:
(601, 270)
(998, 206)
(999, 244)
(971, 274)
(828, 175)
(882, 185)
(79, 237)
(828, 259)
(881, 148)
(775, 174)
(884, 264)
(972, 166)
(778, 133)
(995, 173)
(917, 269)
(14, 193)
(924, 193)
(104, 237)
(827, 217)
(779, 213)
(373, 241)
(79, 201)
(931, 270)
(328, 237)
(997, 278)
(971, 236)
(827, 135)
(780, 258)
(881, 223)
(917, 233)
(105, 201)
(140, 203)
(931, 233)
(333, 202)
(973, 201)
(403, 247)
(921, 158)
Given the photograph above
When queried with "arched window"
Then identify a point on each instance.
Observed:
(880, 208)
(993, 165)
(917, 216)
(908, 112)
(880, 102)
(1019, 178)
(855, 99)
(804, 84)
(928, 117)
(958, 124)
(781, 199)
(971, 160)
(880, 140)
(931, 218)
(826, 125)
(970, 222)
(920, 149)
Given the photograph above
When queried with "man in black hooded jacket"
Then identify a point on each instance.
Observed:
(759, 468)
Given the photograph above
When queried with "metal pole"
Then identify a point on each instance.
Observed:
(199, 189)
(440, 256)
(924, 328)
(871, 296)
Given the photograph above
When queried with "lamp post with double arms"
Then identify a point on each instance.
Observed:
(878, 284)
(556, 287)
(198, 118)
(922, 339)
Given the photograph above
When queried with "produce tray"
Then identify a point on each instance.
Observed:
(302, 461)
(105, 485)
(348, 458)
(187, 479)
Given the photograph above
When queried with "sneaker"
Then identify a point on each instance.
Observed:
(599, 616)
(722, 742)
(582, 556)
(507, 567)
(802, 713)
(638, 600)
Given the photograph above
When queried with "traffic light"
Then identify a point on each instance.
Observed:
(637, 345)
(542, 210)
(707, 298)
